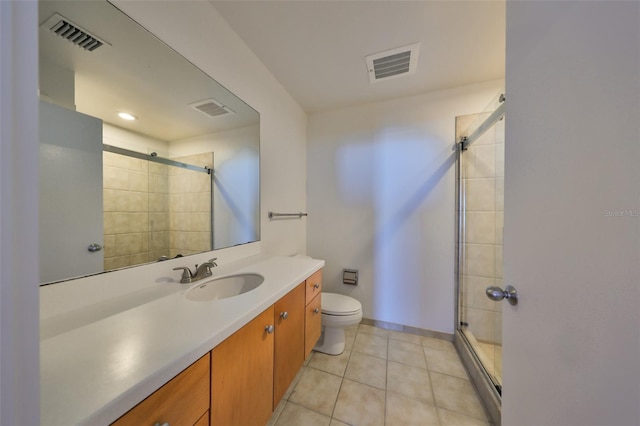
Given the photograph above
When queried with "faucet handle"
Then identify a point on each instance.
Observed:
(213, 261)
(186, 274)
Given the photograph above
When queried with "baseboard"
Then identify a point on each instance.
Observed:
(407, 329)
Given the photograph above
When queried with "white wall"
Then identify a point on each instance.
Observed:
(572, 204)
(19, 354)
(123, 138)
(381, 191)
(236, 189)
(197, 31)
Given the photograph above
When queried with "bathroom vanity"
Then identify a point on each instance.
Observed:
(181, 361)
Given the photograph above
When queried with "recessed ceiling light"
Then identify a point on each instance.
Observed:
(127, 116)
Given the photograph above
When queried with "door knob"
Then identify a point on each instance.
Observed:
(94, 247)
(497, 294)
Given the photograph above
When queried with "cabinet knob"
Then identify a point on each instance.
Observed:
(316, 285)
(316, 310)
(269, 329)
(284, 315)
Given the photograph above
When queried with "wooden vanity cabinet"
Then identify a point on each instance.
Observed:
(289, 340)
(242, 380)
(184, 400)
(242, 374)
(313, 311)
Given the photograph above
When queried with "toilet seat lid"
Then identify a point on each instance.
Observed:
(338, 304)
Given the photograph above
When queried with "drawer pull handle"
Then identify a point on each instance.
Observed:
(284, 315)
(269, 329)
(316, 310)
(316, 285)
(161, 424)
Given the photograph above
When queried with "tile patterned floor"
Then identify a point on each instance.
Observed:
(384, 378)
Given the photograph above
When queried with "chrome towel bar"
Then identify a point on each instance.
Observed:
(298, 215)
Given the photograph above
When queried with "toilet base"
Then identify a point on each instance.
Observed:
(331, 342)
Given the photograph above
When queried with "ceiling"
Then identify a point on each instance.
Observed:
(317, 49)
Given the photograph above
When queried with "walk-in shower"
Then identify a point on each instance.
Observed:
(480, 211)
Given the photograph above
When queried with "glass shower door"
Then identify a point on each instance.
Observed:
(480, 248)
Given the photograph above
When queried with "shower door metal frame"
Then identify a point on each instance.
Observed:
(487, 388)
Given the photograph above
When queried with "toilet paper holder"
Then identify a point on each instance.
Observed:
(350, 276)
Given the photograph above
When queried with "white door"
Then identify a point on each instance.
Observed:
(571, 347)
(70, 176)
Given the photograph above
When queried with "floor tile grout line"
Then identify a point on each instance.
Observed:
(342, 381)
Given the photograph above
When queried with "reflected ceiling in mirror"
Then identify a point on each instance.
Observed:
(96, 62)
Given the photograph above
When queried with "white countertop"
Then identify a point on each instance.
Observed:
(93, 373)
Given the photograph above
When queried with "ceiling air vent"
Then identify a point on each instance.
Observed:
(211, 108)
(393, 63)
(66, 29)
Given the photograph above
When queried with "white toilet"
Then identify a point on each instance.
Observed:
(338, 312)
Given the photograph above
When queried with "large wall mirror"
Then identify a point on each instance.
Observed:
(180, 177)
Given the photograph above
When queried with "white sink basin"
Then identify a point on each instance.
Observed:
(221, 288)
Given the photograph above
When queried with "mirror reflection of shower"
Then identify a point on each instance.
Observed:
(480, 240)
(155, 208)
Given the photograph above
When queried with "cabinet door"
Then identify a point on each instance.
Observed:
(242, 375)
(289, 340)
(182, 401)
(313, 324)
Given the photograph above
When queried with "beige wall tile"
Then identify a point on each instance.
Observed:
(138, 181)
(158, 169)
(474, 290)
(109, 245)
(115, 262)
(485, 161)
(158, 202)
(159, 240)
(480, 260)
(480, 194)
(128, 244)
(480, 227)
(500, 194)
(114, 178)
(481, 324)
(499, 227)
(500, 160)
(159, 221)
(499, 261)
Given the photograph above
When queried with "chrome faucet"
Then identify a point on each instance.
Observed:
(202, 271)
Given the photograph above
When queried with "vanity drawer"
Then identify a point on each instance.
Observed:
(181, 401)
(313, 286)
(312, 324)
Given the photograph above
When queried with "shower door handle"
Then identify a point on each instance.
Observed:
(497, 294)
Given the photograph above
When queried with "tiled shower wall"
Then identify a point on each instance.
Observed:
(482, 174)
(190, 206)
(135, 201)
(153, 210)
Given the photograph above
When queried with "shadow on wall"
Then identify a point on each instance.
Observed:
(398, 178)
(236, 194)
